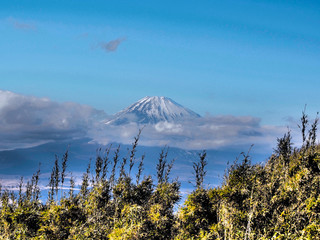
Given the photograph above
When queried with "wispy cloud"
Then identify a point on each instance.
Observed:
(22, 25)
(83, 35)
(112, 45)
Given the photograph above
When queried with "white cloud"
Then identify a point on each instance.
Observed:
(210, 132)
(29, 121)
(168, 127)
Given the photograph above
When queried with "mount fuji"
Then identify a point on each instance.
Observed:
(151, 110)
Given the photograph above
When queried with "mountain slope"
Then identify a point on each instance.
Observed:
(151, 110)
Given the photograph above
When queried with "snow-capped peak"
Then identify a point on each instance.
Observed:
(153, 110)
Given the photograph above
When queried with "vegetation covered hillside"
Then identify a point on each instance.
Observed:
(277, 200)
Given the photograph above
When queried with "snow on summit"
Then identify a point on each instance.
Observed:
(153, 110)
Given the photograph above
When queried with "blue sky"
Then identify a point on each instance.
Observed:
(249, 67)
(255, 58)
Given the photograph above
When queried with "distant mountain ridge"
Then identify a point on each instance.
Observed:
(151, 110)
